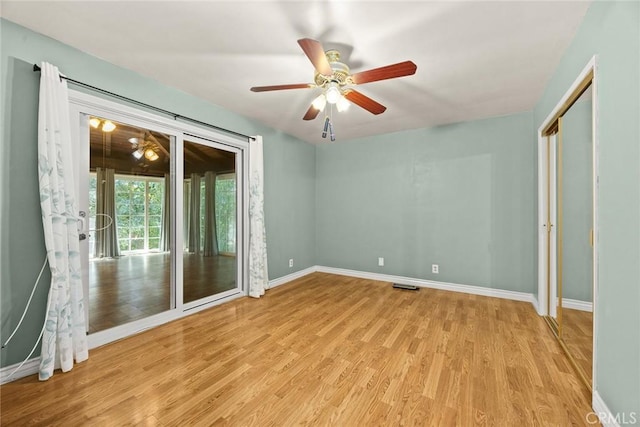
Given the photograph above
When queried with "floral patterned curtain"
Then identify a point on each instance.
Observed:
(258, 267)
(64, 334)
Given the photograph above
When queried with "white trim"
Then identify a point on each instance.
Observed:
(602, 411)
(30, 367)
(453, 287)
(177, 236)
(546, 239)
(553, 236)
(536, 305)
(591, 65)
(596, 191)
(290, 277)
(542, 227)
(575, 304)
(194, 306)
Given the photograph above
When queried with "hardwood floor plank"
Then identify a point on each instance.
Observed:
(322, 350)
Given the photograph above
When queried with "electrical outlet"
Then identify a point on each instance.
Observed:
(434, 268)
(381, 262)
(291, 263)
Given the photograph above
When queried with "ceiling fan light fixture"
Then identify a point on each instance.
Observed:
(138, 153)
(320, 102)
(342, 104)
(108, 126)
(333, 93)
(94, 122)
(149, 154)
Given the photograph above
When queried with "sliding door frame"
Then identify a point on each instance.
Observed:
(81, 105)
(240, 249)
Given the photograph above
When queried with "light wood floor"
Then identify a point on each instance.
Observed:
(577, 333)
(323, 350)
(134, 287)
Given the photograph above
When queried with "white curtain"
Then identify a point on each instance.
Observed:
(106, 228)
(165, 223)
(64, 333)
(210, 233)
(258, 268)
(194, 215)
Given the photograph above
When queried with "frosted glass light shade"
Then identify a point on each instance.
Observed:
(342, 104)
(150, 154)
(333, 94)
(108, 126)
(320, 102)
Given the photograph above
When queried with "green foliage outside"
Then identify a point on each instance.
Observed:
(139, 212)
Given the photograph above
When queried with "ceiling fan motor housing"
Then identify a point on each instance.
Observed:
(340, 71)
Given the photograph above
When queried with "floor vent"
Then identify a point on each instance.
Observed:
(408, 287)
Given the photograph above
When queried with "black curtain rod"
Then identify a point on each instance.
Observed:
(175, 116)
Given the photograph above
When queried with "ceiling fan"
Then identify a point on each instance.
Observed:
(336, 80)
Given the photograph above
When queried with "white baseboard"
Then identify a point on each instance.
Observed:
(536, 305)
(454, 287)
(577, 304)
(290, 277)
(605, 416)
(30, 367)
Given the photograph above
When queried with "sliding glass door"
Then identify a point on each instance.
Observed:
(210, 214)
(129, 262)
(164, 214)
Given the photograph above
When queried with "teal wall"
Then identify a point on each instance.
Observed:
(460, 196)
(577, 197)
(611, 30)
(290, 205)
(289, 172)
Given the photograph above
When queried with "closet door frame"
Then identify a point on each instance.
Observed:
(547, 140)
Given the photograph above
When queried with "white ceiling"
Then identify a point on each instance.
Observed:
(475, 59)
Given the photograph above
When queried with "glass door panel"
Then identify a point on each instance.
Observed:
(129, 223)
(210, 215)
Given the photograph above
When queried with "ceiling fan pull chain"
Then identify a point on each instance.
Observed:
(333, 136)
(326, 125)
